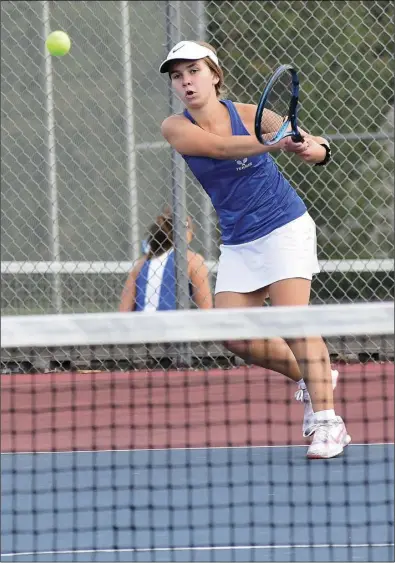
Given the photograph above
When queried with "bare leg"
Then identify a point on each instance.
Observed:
(311, 353)
(274, 354)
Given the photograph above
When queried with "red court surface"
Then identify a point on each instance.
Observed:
(157, 409)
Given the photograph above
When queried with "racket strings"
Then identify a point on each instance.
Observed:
(277, 105)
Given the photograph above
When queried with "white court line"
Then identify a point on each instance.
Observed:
(202, 548)
(188, 449)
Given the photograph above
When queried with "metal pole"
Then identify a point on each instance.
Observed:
(134, 237)
(51, 164)
(173, 20)
(207, 218)
(173, 28)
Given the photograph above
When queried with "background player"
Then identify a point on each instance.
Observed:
(151, 285)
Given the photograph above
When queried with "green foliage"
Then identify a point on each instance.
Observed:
(343, 51)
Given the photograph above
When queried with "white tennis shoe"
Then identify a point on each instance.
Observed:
(303, 396)
(330, 439)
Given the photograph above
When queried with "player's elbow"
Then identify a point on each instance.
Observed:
(206, 302)
(200, 280)
(202, 297)
(125, 307)
(166, 129)
(126, 304)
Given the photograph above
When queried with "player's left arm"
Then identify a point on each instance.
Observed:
(314, 149)
(311, 151)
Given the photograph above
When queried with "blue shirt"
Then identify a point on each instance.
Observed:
(156, 284)
(250, 195)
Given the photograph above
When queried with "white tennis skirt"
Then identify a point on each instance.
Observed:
(287, 252)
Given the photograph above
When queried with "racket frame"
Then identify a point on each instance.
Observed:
(292, 110)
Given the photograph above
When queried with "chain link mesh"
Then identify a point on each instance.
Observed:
(69, 238)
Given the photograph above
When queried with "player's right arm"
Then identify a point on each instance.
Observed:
(189, 139)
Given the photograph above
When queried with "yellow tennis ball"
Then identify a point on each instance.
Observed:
(58, 43)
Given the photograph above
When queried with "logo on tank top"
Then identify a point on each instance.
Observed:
(243, 164)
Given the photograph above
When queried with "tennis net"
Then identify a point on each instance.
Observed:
(141, 437)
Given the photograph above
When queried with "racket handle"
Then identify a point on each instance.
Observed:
(297, 138)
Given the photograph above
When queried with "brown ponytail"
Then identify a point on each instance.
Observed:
(160, 236)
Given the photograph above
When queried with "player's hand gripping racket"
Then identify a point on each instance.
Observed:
(276, 114)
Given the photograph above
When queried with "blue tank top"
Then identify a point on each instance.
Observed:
(250, 195)
(156, 284)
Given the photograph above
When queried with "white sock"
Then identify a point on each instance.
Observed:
(322, 416)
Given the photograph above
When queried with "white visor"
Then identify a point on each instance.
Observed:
(187, 50)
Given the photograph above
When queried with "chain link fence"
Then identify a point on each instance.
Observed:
(85, 170)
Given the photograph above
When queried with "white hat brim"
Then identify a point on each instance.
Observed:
(188, 51)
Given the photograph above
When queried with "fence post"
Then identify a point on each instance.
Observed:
(173, 35)
(134, 238)
(207, 211)
(173, 28)
(51, 165)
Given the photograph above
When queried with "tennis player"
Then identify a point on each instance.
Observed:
(151, 285)
(268, 237)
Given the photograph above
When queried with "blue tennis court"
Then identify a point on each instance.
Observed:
(240, 504)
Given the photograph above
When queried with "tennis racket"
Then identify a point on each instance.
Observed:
(276, 114)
